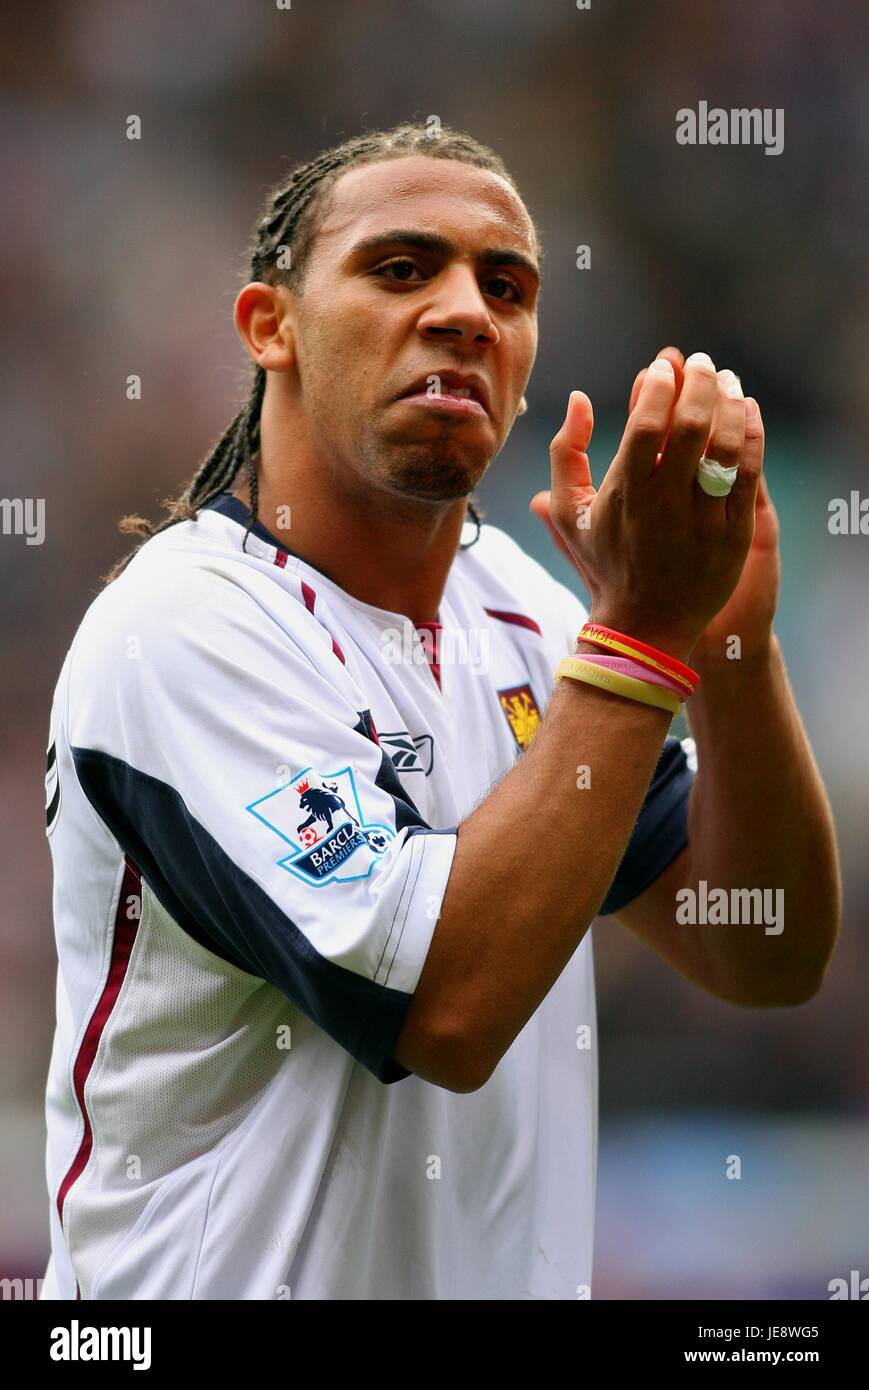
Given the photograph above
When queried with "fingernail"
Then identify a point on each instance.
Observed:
(752, 413)
(662, 366)
(732, 384)
(700, 359)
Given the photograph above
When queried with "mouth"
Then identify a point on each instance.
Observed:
(456, 393)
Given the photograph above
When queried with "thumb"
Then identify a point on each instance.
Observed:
(571, 472)
(567, 452)
(572, 488)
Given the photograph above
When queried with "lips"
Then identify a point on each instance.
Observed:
(453, 385)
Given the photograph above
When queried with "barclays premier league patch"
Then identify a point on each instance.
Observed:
(320, 815)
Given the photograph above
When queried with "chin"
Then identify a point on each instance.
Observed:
(444, 484)
(442, 474)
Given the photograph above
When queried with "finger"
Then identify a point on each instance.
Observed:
(691, 421)
(677, 362)
(572, 486)
(567, 452)
(763, 501)
(635, 389)
(647, 422)
(727, 435)
(742, 496)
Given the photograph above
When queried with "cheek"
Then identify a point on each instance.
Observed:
(331, 366)
(341, 385)
(519, 344)
(342, 349)
(526, 351)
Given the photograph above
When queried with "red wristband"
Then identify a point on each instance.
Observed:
(596, 633)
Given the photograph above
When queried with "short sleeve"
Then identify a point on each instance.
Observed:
(235, 763)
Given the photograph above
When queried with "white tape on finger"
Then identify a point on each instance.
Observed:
(714, 478)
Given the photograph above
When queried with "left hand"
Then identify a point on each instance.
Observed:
(750, 611)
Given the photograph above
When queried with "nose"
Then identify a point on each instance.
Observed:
(458, 309)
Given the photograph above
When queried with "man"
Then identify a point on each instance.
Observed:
(324, 867)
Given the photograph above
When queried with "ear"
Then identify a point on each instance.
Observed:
(266, 323)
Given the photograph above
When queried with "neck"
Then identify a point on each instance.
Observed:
(388, 550)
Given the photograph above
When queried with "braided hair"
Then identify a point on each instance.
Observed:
(289, 222)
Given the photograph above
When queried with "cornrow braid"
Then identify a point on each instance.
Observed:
(288, 224)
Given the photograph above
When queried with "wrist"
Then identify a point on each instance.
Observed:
(678, 647)
(717, 664)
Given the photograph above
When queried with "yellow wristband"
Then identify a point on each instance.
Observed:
(602, 639)
(617, 684)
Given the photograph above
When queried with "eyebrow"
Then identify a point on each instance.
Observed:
(440, 245)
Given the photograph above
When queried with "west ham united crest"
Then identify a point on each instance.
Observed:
(522, 712)
(320, 815)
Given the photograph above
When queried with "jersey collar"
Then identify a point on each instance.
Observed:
(229, 505)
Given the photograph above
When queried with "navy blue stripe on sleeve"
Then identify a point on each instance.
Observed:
(228, 913)
(660, 831)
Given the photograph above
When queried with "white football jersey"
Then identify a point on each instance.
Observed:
(254, 785)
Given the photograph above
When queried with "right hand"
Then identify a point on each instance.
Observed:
(658, 556)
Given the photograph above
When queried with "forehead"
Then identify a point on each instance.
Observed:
(470, 205)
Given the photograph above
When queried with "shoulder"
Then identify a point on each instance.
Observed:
(166, 593)
(184, 613)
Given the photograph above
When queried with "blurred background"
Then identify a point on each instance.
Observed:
(121, 257)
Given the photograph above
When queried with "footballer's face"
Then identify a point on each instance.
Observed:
(417, 324)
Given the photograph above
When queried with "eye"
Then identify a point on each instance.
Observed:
(400, 269)
(398, 263)
(511, 285)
